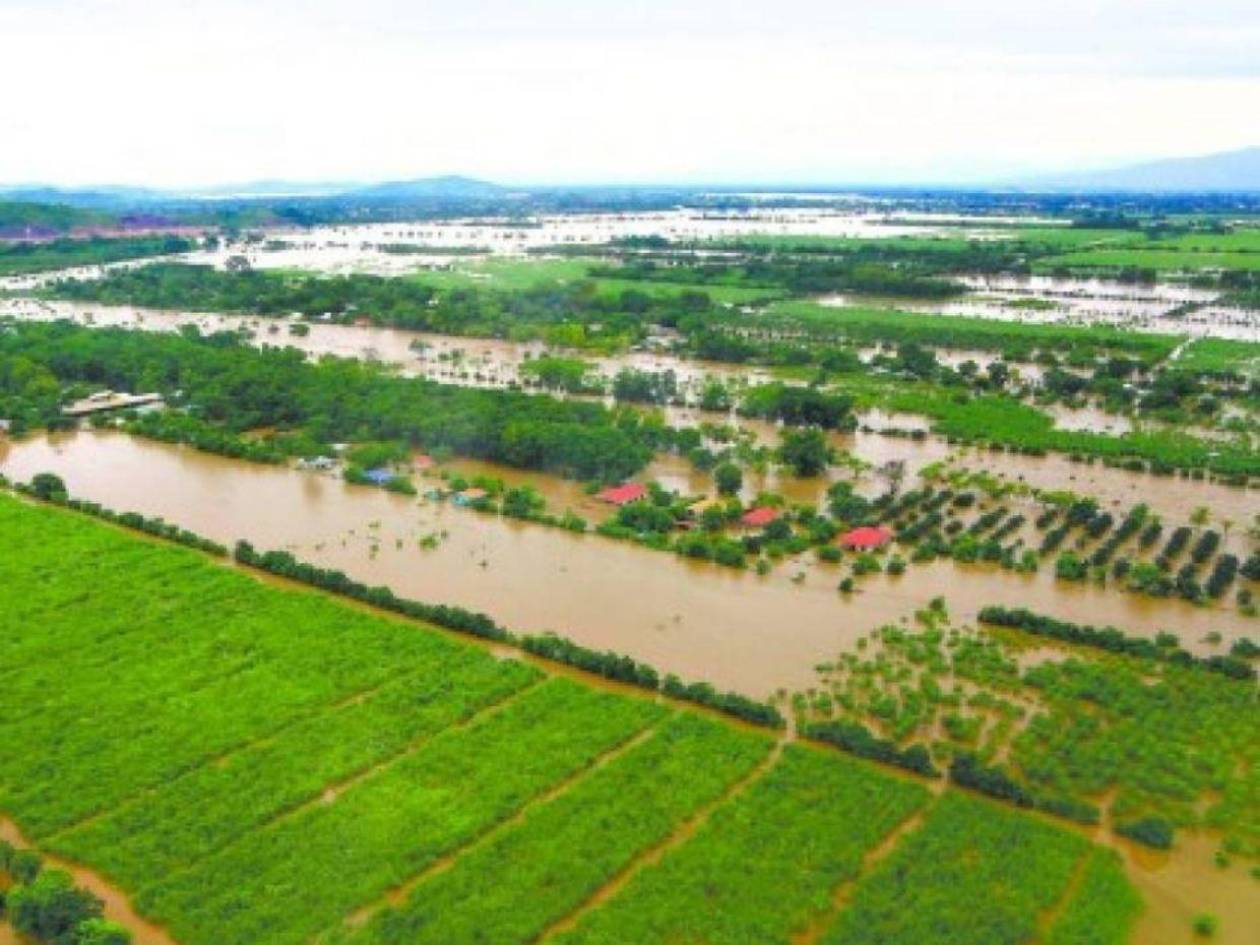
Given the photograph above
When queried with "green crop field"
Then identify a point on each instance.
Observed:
(522, 274)
(1220, 356)
(973, 873)
(257, 765)
(874, 325)
(1162, 260)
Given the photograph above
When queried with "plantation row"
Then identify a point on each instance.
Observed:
(256, 765)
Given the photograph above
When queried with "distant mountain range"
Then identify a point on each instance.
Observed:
(450, 186)
(1227, 172)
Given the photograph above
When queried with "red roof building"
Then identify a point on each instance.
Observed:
(760, 516)
(866, 537)
(623, 494)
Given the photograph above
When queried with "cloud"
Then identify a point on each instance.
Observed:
(182, 93)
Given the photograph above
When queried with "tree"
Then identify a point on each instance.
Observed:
(1201, 515)
(51, 908)
(729, 478)
(24, 866)
(101, 932)
(48, 485)
(805, 451)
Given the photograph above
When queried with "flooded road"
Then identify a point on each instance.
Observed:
(736, 629)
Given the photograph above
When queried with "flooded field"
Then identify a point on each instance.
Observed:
(357, 248)
(1183, 883)
(738, 630)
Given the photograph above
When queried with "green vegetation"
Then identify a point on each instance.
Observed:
(530, 304)
(560, 855)
(1103, 911)
(1167, 743)
(17, 258)
(229, 387)
(1157, 260)
(864, 326)
(1220, 356)
(798, 821)
(972, 873)
(258, 765)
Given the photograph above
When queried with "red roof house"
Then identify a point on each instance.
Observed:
(867, 537)
(760, 516)
(422, 461)
(623, 494)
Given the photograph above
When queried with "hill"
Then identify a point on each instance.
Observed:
(446, 187)
(1229, 171)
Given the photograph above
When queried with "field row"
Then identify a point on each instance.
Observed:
(266, 766)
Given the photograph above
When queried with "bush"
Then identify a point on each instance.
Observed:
(101, 932)
(1112, 640)
(51, 908)
(1151, 831)
(857, 739)
(47, 486)
(24, 866)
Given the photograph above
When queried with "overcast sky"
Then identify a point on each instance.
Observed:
(181, 93)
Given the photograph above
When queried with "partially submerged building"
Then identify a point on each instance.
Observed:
(106, 401)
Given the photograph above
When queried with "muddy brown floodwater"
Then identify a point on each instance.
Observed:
(736, 629)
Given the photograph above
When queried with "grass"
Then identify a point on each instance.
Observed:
(567, 849)
(1103, 911)
(1220, 356)
(1158, 739)
(862, 325)
(19, 258)
(974, 873)
(1159, 259)
(1014, 425)
(765, 867)
(516, 275)
(190, 817)
(508, 274)
(299, 875)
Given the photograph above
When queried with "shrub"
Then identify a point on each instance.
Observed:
(51, 908)
(1151, 831)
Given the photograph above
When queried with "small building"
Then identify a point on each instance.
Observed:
(104, 401)
(422, 461)
(866, 538)
(623, 494)
(6, 425)
(318, 463)
(760, 517)
(378, 476)
(469, 496)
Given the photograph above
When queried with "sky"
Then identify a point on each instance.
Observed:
(175, 93)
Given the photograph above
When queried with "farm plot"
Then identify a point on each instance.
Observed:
(974, 872)
(511, 889)
(810, 819)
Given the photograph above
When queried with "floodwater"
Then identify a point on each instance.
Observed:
(736, 629)
(495, 363)
(357, 248)
(1183, 883)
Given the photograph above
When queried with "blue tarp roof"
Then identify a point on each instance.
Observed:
(378, 476)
